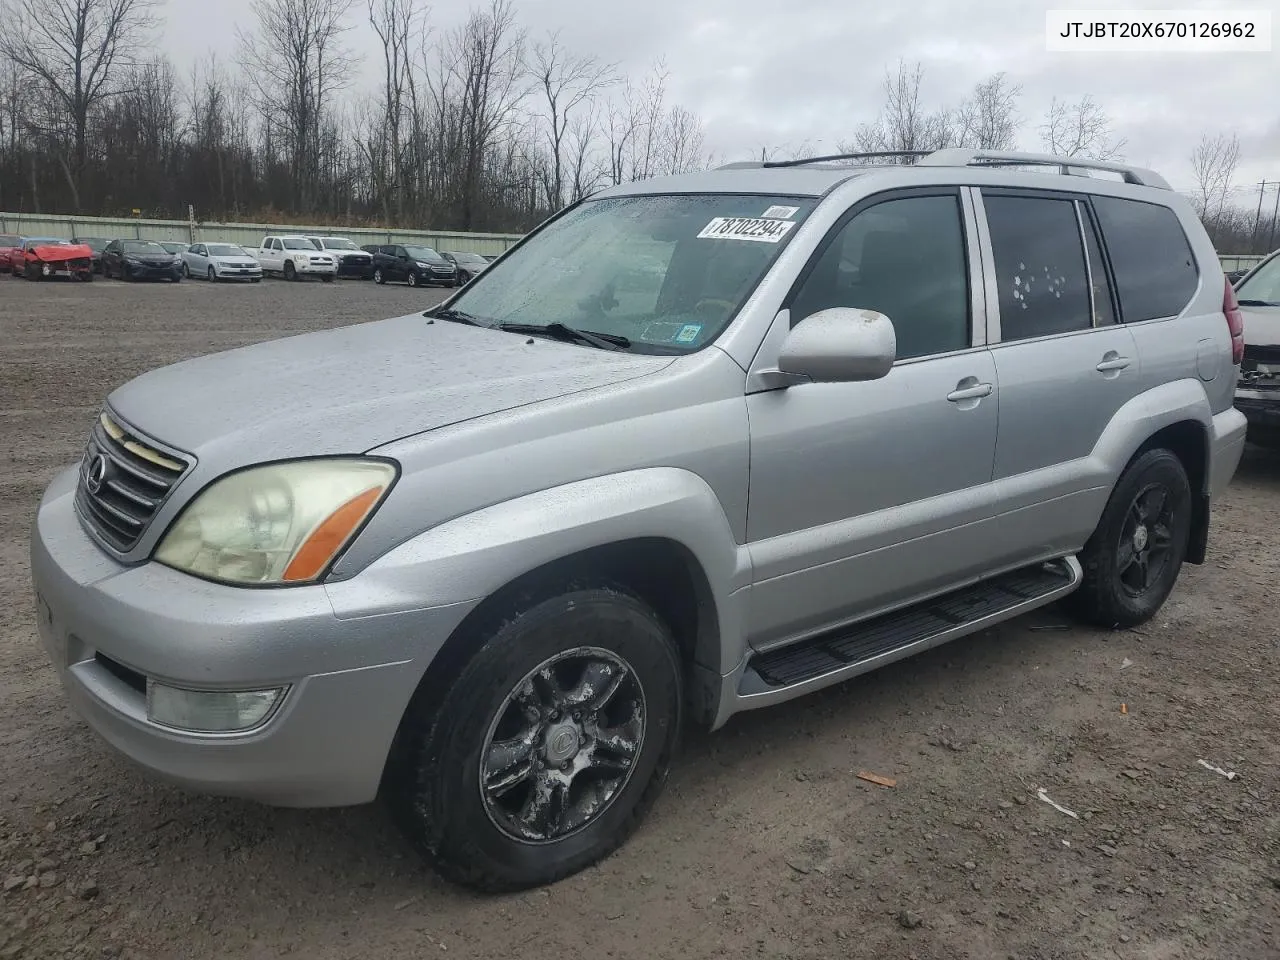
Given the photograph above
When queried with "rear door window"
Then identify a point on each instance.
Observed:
(1155, 270)
(1040, 266)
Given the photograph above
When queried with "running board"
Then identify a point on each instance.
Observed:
(833, 657)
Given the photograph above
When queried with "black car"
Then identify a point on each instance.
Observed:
(140, 260)
(97, 245)
(353, 261)
(416, 266)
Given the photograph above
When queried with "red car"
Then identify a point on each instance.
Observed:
(42, 258)
(8, 243)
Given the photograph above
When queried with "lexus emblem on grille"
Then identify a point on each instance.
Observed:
(96, 475)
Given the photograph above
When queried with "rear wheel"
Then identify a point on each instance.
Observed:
(548, 748)
(1132, 560)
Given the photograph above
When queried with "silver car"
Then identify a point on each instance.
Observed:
(220, 261)
(695, 446)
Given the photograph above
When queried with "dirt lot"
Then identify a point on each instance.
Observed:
(765, 844)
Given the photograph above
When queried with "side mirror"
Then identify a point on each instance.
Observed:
(840, 345)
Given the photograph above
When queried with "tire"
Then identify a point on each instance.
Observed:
(126, 274)
(256, 280)
(289, 272)
(213, 274)
(176, 278)
(378, 277)
(186, 270)
(327, 278)
(434, 784)
(1148, 515)
(412, 279)
(86, 277)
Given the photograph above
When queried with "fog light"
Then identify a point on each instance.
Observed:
(209, 711)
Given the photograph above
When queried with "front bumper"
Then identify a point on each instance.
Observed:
(143, 271)
(314, 269)
(237, 273)
(351, 665)
(362, 271)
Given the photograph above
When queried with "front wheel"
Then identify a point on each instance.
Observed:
(213, 275)
(378, 277)
(547, 750)
(186, 270)
(289, 272)
(327, 278)
(1132, 560)
(412, 279)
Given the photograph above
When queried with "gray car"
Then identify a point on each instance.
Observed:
(1258, 393)
(486, 561)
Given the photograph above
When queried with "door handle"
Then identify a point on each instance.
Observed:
(975, 392)
(1113, 361)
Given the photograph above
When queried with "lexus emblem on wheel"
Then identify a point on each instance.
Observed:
(96, 474)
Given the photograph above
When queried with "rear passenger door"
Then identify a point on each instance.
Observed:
(1064, 365)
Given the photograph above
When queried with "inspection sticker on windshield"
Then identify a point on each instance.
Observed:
(689, 333)
(785, 213)
(760, 229)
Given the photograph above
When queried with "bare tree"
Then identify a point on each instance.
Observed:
(1214, 162)
(586, 168)
(681, 142)
(395, 22)
(903, 122)
(74, 50)
(620, 128)
(296, 62)
(1080, 129)
(988, 118)
(566, 82)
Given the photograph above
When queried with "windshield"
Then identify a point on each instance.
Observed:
(422, 253)
(174, 247)
(47, 241)
(298, 243)
(469, 258)
(93, 243)
(8, 241)
(225, 250)
(142, 246)
(666, 272)
(1263, 286)
(338, 243)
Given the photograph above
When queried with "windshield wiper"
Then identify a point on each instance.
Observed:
(1258, 303)
(562, 331)
(457, 316)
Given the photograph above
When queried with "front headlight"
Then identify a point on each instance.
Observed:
(279, 523)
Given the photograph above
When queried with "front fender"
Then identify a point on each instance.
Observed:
(472, 556)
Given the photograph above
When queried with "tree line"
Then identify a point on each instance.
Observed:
(481, 127)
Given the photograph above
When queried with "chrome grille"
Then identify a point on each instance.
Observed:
(123, 481)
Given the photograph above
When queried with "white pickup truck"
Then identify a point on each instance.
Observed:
(296, 257)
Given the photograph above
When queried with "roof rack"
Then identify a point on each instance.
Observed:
(1068, 166)
(963, 157)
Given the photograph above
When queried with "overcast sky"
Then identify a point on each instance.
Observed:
(780, 73)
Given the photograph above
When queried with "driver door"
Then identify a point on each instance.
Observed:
(865, 496)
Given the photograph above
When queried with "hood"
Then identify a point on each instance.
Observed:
(234, 259)
(1261, 326)
(55, 253)
(354, 388)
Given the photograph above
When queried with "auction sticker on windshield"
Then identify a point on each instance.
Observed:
(759, 229)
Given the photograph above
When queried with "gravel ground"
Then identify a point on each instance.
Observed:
(765, 843)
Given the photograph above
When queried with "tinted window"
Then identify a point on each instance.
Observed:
(1103, 310)
(1040, 273)
(1151, 259)
(906, 259)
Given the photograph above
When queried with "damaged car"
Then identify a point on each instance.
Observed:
(43, 258)
(1258, 389)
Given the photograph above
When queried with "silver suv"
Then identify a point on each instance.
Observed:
(695, 446)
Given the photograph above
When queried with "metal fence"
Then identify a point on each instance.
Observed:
(247, 235)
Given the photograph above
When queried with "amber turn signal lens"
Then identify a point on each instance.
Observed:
(328, 538)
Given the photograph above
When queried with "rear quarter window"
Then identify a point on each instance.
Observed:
(1155, 271)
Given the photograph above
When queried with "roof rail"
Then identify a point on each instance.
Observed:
(1069, 166)
(803, 161)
